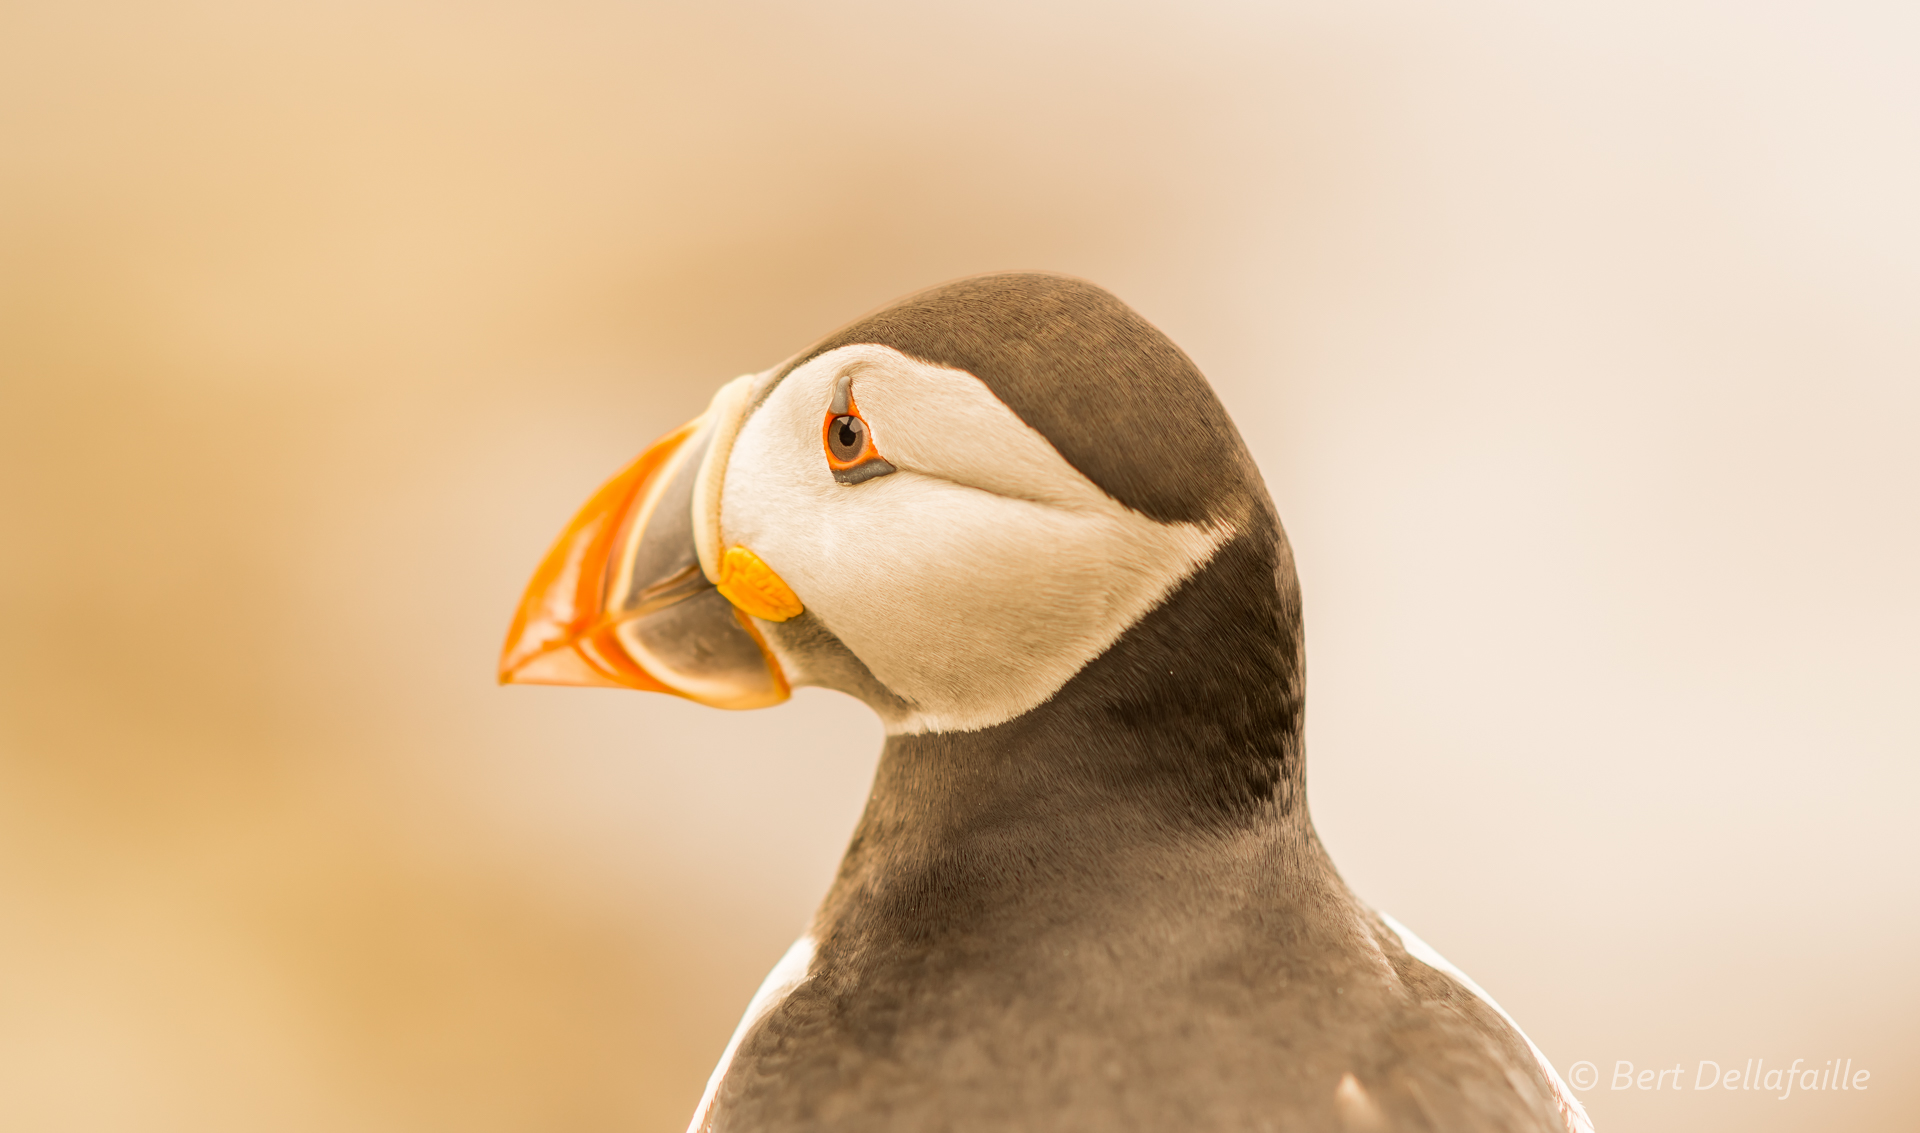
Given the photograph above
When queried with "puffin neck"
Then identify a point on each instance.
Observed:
(1188, 726)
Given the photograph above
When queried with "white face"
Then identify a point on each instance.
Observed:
(972, 582)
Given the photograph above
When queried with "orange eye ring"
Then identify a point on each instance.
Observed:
(848, 439)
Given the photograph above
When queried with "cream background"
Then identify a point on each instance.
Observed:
(1577, 342)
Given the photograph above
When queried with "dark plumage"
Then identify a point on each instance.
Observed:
(1113, 912)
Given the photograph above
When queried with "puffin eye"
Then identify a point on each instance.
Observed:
(848, 441)
(846, 438)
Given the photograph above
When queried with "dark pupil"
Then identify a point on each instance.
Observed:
(845, 437)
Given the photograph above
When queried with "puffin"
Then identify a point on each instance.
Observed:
(1009, 515)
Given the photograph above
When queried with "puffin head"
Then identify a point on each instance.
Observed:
(947, 509)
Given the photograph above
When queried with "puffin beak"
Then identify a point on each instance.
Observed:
(627, 597)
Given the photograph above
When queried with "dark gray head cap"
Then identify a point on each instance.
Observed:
(1116, 398)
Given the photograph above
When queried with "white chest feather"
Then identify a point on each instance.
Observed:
(1571, 1111)
(788, 974)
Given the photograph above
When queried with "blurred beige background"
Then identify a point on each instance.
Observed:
(1578, 343)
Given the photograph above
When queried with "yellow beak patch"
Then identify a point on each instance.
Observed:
(752, 586)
